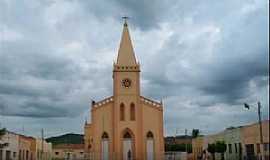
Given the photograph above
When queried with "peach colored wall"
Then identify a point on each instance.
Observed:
(62, 153)
(101, 122)
(153, 123)
(251, 135)
(24, 147)
(197, 146)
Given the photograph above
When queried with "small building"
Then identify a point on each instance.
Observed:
(243, 143)
(180, 139)
(231, 137)
(197, 147)
(25, 148)
(250, 137)
(68, 151)
(43, 150)
(11, 151)
(21, 147)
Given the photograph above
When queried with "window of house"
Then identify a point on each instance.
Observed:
(14, 154)
(266, 146)
(8, 155)
(240, 148)
(56, 153)
(230, 148)
(20, 155)
(23, 154)
(81, 152)
(258, 148)
(27, 154)
(1, 154)
(132, 112)
(235, 146)
(122, 112)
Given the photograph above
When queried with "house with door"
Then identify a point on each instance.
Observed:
(250, 137)
(68, 152)
(125, 125)
(11, 151)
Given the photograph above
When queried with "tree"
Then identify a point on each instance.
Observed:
(2, 133)
(212, 149)
(178, 148)
(195, 133)
(217, 147)
(221, 147)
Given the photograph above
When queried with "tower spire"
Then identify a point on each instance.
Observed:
(126, 56)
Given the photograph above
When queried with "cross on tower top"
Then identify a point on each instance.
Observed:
(125, 20)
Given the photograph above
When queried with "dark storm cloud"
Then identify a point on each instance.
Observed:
(144, 14)
(203, 58)
(239, 57)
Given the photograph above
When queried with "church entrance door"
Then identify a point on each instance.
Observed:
(150, 145)
(105, 146)
(150, 149)
(127, 149)
(105, 150)
(128, 146)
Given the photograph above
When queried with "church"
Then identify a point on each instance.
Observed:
(126, 125)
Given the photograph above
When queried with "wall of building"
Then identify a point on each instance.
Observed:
(250, 135)
(24, 148)
(43, 150)
(13, 146)
(237, 140)
(102, 121)
(232, 138)
(105, 119)
(197, 146)
(68, 152)
(153, 124)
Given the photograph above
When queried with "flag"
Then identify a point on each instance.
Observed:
(246, 106)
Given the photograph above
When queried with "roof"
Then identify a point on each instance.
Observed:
(126, 56)
(69, 146)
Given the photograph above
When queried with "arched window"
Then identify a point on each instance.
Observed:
(150, 135)
(122, 112)
(127, 135)
(105, 135)
(132, 112)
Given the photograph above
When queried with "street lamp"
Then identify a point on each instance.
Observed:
(260, 124)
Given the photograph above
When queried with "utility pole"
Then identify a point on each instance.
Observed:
(42, 143)
(186, 139)
(260, 128)
(260, 125)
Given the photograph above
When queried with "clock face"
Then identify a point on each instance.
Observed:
(126, 83)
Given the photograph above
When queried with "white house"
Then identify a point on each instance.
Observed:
(10, 152)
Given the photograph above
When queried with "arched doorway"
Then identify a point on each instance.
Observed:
(150, 145)
(105, 146)
(128, 145)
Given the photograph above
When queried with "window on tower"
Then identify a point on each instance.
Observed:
(132, 112)
(122, 112)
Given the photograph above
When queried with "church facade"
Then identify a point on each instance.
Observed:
(126, 125)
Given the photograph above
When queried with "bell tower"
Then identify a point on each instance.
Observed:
(126, 92)
(126, 70)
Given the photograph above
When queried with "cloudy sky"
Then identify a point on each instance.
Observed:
(203, 58)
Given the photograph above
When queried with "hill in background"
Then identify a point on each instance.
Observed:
(69, 138)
